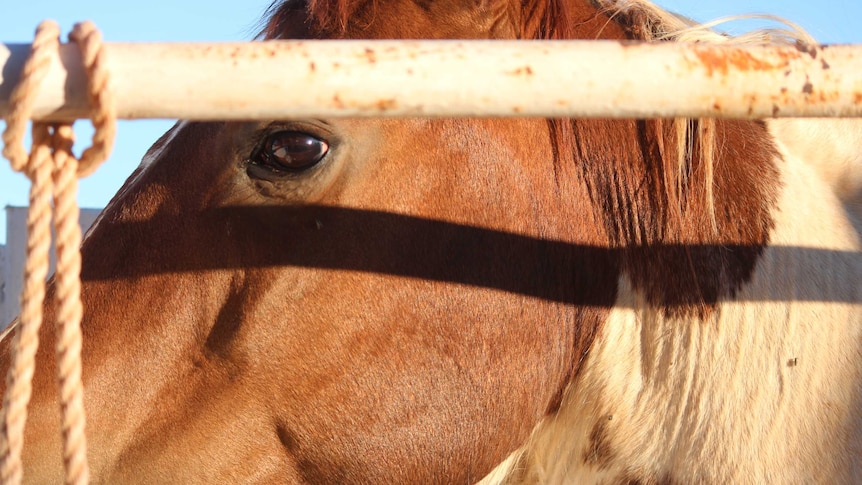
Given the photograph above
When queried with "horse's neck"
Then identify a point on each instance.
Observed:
(764, 389)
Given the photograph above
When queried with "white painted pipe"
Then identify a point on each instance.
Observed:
(294, 79)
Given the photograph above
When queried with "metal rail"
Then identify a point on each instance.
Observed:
(290, 79)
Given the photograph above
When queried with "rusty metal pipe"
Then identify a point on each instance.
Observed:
(295, 79)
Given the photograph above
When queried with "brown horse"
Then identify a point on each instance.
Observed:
(438, 301)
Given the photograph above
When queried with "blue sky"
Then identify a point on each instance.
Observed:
(833, 21)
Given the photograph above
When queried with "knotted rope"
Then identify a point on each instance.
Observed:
(53, 171)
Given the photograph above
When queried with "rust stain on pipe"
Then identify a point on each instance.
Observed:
(723, 60)
(522, 71)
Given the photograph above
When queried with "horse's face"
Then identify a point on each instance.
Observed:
(386, 299)
(297, 299)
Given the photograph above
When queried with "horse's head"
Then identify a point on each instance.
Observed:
(300, 296)
(370, 301)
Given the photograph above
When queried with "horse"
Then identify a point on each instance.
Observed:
(508, 300)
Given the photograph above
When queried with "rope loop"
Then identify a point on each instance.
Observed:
(104, 114)
(53, 171)
(45, 44)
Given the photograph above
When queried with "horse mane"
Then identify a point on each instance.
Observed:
(648, 22)
(545, 19)
(553, 19)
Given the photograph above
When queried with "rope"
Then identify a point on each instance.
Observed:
(53, 171)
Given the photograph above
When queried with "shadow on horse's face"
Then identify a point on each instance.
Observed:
(301, 296)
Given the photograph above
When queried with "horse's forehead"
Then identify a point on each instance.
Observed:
(392, 19)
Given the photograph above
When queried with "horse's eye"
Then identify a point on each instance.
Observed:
(290, 151)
